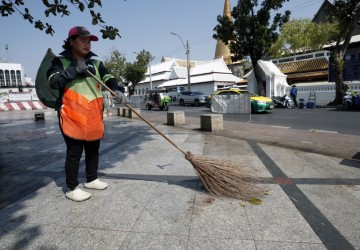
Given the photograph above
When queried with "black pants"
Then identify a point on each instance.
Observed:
(74, 151)
(294, 99)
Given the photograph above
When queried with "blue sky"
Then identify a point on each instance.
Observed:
(143, 24)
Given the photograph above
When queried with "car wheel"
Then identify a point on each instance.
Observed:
(182, 103)
(166, 107)
(148, 107)
(197, 103)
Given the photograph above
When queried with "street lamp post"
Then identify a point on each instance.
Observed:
(150, 75)
(187, 49)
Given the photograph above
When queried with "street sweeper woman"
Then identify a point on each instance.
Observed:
(79, 107)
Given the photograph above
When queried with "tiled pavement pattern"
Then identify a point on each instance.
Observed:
(155, 200)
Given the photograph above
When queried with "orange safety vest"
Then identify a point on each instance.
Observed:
(82, 105)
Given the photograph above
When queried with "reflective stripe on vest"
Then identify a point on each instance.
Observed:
(82, 104)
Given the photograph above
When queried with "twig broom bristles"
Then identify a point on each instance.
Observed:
(220, 177)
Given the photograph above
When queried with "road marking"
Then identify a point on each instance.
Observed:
(280, 127)
(285, 117)
(323, 131)
(306, 142)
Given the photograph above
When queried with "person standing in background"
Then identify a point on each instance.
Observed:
(293, 94)
(106, 97)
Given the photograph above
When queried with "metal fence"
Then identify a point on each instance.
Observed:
(231, 104)
(137, 101)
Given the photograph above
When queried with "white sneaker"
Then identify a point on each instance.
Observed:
(77, 194)
(96, 184)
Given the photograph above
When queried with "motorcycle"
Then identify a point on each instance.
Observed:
(351, 101)
(157, 98)
(283, 101)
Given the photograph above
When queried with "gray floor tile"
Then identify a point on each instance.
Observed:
(277, 219)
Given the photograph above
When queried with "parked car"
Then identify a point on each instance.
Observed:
(192, 97)
(258, 103)
(174, 92)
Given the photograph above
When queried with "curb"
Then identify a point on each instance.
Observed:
(28, 105)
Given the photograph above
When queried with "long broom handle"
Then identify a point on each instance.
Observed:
(138, 114)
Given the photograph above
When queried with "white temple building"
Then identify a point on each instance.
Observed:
(206, 76)
(276, 84)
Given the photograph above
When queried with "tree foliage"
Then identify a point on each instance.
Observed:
(346, 15)
(56, 7)
(302, 36)
(135, 72)
(116, 65)
(250, 33)
(127, 73)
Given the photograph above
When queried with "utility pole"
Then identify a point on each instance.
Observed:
(188, 62)
(150, 74)
(187, 49)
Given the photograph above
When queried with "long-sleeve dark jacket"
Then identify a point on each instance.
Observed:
(60, 77)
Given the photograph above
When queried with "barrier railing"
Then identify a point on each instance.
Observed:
(231, 104)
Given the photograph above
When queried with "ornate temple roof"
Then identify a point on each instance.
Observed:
(312, 65)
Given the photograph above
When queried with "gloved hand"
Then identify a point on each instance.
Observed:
(78, 68)
(121, 96)
(91, 68)
(81, 66)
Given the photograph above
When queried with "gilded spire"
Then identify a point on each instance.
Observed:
(223, 51)
(227, 9)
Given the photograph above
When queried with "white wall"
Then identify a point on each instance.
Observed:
(325, 92)
(276, 85)
(206, 88)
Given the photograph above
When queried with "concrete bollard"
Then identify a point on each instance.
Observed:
(132, 114)
(211, 122)
(175, 118)
(126, 112)
(121, 111)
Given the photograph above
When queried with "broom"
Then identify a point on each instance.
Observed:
(220, 177)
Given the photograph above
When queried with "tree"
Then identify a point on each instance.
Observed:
(116, 64)
(301, 36)
(8, 7)
(250, 34)
(135, 72)
(346, 15)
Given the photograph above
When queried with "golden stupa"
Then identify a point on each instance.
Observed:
(222, 50)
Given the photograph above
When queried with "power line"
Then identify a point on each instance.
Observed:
(203, 40)
(200, 41)
(299, 7)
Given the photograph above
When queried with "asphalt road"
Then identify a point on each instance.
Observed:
(320, 119)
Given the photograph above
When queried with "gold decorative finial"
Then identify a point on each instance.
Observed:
(222, 50)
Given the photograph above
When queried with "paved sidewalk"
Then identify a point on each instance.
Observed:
(156, 201)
